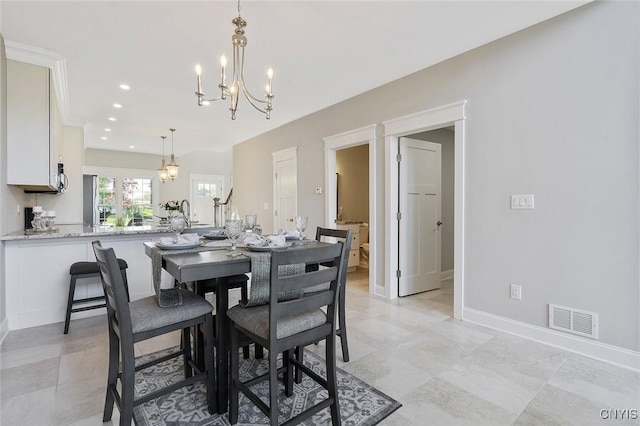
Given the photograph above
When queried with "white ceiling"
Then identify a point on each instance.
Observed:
(322, 52)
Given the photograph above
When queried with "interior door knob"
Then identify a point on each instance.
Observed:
(439, 223)
(290, 220)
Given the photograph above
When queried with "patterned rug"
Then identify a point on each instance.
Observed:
(360, 404)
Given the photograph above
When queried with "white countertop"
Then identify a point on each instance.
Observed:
(70, 231)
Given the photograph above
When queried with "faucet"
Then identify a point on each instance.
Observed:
(186, 213)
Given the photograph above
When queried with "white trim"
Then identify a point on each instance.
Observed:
(601, 351)
(344, 140)
(283, 155)
(57, 63)
(446, 275)
(4, 329)
(435, 118)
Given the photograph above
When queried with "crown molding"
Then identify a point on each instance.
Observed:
(54, 61)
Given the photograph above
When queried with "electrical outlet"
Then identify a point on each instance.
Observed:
(516, 292)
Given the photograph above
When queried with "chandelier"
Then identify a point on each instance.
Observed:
(237, 86)
(172, 167)
(163, 173)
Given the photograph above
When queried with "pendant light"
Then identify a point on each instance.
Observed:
(172, 167)
(163, 173)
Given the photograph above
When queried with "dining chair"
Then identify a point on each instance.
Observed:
(142, 319)
(345, 236)
(282, 325)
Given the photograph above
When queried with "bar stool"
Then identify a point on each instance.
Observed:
(88, 270)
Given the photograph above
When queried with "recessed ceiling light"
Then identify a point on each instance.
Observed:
(131, 146)
(125, 87)
(112, 119)
(117, 106)
(104, 138)
(107, 130)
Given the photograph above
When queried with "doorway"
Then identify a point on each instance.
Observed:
(420, 219)
(204, 188)
(352, 138)
(436, 118)
(285, 189)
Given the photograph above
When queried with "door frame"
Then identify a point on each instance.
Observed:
(283, 155)
(431, 119)
(337, 142)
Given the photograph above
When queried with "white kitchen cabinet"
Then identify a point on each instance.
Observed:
(354, 253)
(33, 127)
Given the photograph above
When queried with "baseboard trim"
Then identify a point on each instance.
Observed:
(601, 351)
(446, 275)
(4, 329)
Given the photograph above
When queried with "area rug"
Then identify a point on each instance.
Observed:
(360, 403)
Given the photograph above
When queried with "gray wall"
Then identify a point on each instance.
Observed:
(445, 138)
(352, 164)
(552, 111)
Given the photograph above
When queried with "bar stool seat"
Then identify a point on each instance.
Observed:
(87, 270)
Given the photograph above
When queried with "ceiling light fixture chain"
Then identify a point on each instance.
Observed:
(239, 42)
(172, 167)
(163, 173)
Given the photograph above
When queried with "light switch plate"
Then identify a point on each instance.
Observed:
(522, 201)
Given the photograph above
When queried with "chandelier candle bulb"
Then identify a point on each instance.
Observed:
(237, 85)
(199, 77)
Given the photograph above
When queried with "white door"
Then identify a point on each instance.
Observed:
(285, 190)
(419, 225)
(204, 188)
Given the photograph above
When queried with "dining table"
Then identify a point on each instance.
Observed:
(206, 264)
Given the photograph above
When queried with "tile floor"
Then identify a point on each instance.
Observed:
(443, 371)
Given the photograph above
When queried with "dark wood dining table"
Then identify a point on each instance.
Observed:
(205, 265)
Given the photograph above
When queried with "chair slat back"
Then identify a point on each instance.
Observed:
(345, 235)
(113, 286)
(333, 253)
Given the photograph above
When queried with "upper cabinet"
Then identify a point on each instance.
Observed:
(33, 127)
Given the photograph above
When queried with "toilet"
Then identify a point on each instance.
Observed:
(364, 245)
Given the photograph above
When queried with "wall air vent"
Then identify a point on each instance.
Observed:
(582, 323)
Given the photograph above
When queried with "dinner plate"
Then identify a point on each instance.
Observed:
(181, 246)
(267, 248)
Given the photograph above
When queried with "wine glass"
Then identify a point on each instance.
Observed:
(250, 221)
(301, 226)
(233, 229)
(177, 223)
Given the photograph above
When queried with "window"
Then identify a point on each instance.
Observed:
(125, 197)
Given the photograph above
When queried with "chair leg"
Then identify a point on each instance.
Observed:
(259, 351)
(128, 381)
(299, 354)
(332, 382)
(186, 350)
(273, 388)
(72, 290)
(288, 372)
(235, 375)
(342, 323)
(112, 375)
(209, 364)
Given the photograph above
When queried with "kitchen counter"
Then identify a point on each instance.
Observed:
(70, 231)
